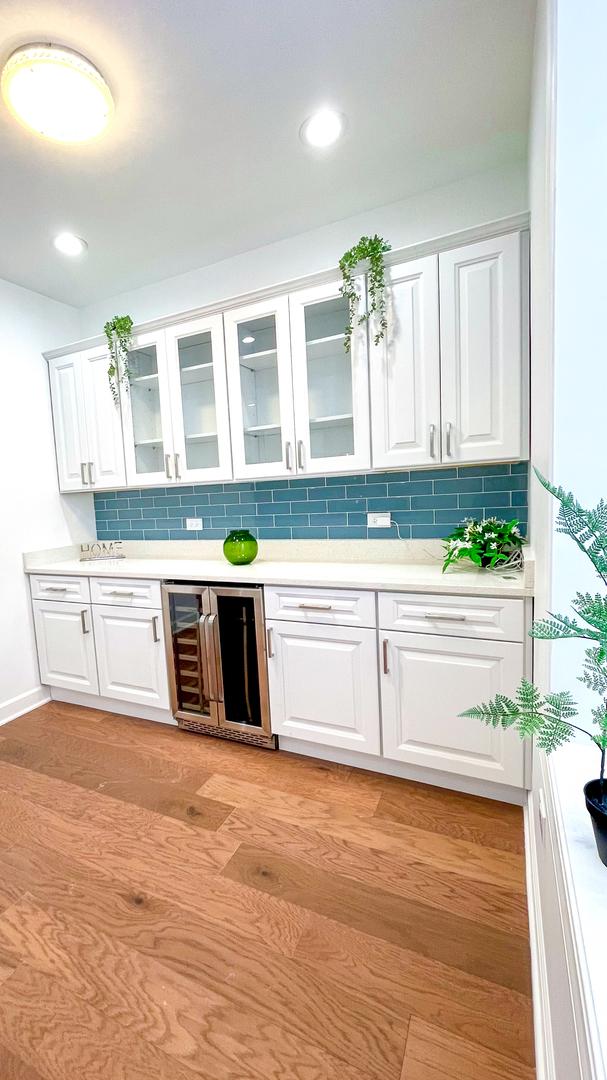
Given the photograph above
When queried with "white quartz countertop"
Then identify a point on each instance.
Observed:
(405, 577)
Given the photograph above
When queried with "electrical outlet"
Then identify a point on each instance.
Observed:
(378, 521)
(193, 523)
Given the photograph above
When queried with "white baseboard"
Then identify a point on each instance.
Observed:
(105, 704)
(469, 785)
(542, 1025)
(23, 703)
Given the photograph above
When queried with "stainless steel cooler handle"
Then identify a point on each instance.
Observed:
(211, 638)
(204, 656)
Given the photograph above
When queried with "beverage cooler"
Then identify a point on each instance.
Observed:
(217, 660)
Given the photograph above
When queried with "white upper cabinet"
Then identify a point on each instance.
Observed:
(103, 422)
(330, 385)
(199, 400)
(482, 351)
(88, 436)
(405, 370)
(146, 411)
(258, 358)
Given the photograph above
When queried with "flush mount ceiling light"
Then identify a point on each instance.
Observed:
(56, 92)
(68, 244)
(323, 128)
(248, 340)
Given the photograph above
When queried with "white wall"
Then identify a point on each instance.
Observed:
(32, 515)
(478, 199)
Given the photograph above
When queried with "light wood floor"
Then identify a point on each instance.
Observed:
(173, 906)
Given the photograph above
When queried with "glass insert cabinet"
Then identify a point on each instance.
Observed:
(298, 400)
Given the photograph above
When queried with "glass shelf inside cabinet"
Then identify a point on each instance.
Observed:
(145, 409)
(329, 380)
(259, 388)
(197, 377)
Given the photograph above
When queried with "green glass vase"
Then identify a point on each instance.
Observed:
(240, 547)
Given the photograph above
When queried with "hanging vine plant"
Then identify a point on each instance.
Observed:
(119, 334)
(371, 249)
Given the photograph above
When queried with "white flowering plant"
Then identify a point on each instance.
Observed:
(486, 543)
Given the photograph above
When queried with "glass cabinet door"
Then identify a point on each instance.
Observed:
(330, 385)
(146, 413)
(259, 384)
(196, 362)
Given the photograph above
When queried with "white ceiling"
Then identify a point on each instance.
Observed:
(203, 158)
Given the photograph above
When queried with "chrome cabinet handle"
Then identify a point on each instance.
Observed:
(432, 440)
(155, 628)
(289, 456)
(121, 592)
(90, 465)
(167, 466)
(82, 472)
(384, 650)
(270, 638)
(444, 617)
(300, 454)
(85, 629)
(448, 430)
(177, 472)
(54, 588)
(316, 607)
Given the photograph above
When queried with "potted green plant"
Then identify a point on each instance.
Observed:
(119, 333)
(490, 544)
(548, 717)
(369, 249)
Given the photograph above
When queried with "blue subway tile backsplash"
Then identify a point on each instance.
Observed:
(423, 504)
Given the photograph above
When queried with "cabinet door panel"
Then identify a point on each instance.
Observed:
(258, 358)
(330, 385)
(103, 422)
(482, 351)
(146, 413)
(66, 645)
(199, 400)
(405, 370)
(323, 685)
(69, 423)
(429, 682)
(131, 655)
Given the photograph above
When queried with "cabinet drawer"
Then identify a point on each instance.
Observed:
(335, 607)
(53, 587)
(126, 592)
(453, 616)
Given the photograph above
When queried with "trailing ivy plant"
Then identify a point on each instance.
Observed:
(371, 249)
(119, 334)
(549, 717)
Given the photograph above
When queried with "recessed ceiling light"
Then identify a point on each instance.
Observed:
(248, 340)
(68, 244)
(56, 92)
(323, 128)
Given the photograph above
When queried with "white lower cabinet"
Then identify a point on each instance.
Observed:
(427, 681)
(66, 645)
(130, 655)
(323, 684)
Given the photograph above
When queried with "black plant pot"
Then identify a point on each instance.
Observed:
(593, 791)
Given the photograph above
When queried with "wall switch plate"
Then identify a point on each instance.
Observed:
(378, 521)
(194, 523)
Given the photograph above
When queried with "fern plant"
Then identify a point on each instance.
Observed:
(549, 717)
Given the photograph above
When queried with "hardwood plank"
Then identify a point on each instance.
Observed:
(467, 817)
(405, 842)
(164, 797)
(13, 1068)
(433, 1054)
(94, 891)
(65, 1038)
(405, 982)
(480, 950)
(439, 888)
(199, 1028)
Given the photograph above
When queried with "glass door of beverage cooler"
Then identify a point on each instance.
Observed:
(237, 621)
(188, 633)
